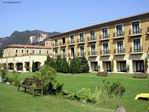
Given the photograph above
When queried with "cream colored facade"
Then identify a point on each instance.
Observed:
(21, 57)
(116, 46)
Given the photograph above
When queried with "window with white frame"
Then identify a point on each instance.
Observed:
(71, 38)
(81, 37)
(120, 48)
(136, 45)
(135, 27)
(119, 30)
(105, 48)
(81, 50)
(105, 32)
(92, 35)
(93, 49)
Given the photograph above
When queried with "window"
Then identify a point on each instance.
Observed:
(82, 50)
(119, 30)
(105, 32)
(105, 48)
(93, 49)
(33, 51)
(135, 27)
(22, 51)
(81, 37)
(64, 52)
(120, 48)
(56, 42)
(47, 52)
(27, 51)
(92, 35)
(63, 40)
(16, 51)
(71, 38)
(72, 52)
(39, 51)
(137, 46)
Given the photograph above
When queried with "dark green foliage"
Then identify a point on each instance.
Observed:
(114, 88)
(3, 73)
(48, 75)
(84, 65)
(58, 64)
(65, 66)
(77, 65)
(33, 67)
(50, 62)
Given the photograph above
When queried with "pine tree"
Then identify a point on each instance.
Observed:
(65, 66)
(84, 65)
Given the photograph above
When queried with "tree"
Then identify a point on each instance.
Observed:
(58, 64)
(34, 67)
(75, 65)
(65, 66)
(84, 65)
(50, 62)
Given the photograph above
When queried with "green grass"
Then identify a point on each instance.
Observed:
(11, 100)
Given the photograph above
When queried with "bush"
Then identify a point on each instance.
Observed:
(75, 65)
(114, 88)
(3, 73)
(48, 75)
(50, 62)
(65, 66)
(14, 80)
(84, 65)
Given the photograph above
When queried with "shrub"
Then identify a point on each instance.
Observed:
(84, 65)
(75, 65)
(14, 80)
(114, 88)
(50, 62)
(48, 75)
(65, 66)
(3, 73)
(84, 95)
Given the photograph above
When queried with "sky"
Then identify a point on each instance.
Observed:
(63, 15)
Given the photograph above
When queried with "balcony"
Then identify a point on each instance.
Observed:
(104, 37)
(72, 42)
(119, 35)
(55, 45)
(62, 44)
(91, 39)
(92, 53)
(135, 33)
(80, 41)
(136, 50)
(119, 51)
(81, 54)
(105, 52)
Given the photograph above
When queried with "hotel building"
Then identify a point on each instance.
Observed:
(116, 46)
(21, 57)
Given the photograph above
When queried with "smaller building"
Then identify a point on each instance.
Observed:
(21, 57)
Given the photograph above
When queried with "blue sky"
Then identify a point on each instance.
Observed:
(64, 15)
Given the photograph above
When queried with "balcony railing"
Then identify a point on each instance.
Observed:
(104, 37)
(135, 32)
(80, 40)
(55, 45)
(119, 35)
(81, 54)
(92, 53)
(136, 49)
(120, 51)
(72, 42)
(91, 39)
(105, 52)
(62, 44)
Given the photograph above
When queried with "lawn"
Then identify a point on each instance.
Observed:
(11, 100)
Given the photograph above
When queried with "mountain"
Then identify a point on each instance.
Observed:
(25, 37)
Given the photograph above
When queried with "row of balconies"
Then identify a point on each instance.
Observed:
(103, 37)
(107, 52)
